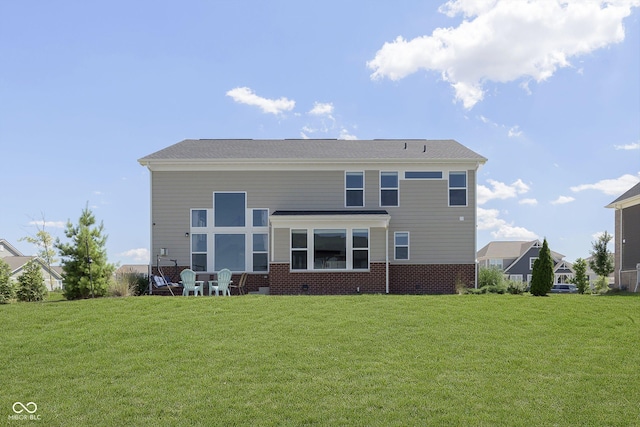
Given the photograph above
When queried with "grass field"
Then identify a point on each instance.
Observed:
(366, 360)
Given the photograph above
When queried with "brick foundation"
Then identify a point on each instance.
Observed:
(403, 279)
(429, 278)
(286, 282)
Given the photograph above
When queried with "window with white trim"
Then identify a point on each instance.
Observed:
(330, 249)
(401, 245)
(354, 189)
(457, 188)
(229, 235)
(389, 190)
(532, 261)
(495, 263)
(423, 175)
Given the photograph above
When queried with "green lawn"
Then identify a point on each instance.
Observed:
(367, 360)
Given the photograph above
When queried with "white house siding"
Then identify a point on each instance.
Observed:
(437, 235)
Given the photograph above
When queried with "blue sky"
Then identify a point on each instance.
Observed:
(549, 92)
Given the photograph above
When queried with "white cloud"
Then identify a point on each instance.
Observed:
(611, 187)
(502, 230)
(562, 200)
(322, 109)
(245, 95)
(531, 202)
(138, 255)
(514, 132)
(632, 146)
(504, 41)
(500, 190)
(53, 224)
(344, 134)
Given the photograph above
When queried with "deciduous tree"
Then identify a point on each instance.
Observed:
(580, 278)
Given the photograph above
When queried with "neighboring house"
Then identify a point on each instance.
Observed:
(16, 260)
(319, 216)
(137, 269)
(627, 239)
(516, 260)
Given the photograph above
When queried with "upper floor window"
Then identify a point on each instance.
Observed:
(198, 217)
(389, 189)
(457, 189)
(495, 263)
(354, 189)
(532, 261)
(229, 209)
(423, 175)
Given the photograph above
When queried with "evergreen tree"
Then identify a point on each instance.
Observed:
(542, 275)
(31, 283)
(580, 279)
(7, 289)
(602, 260)
(84, 260)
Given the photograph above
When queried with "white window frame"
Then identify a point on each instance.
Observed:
(532, 260)
(396, 245)
(396, 188)
(349, 249)
(347, 189)
(466, 188)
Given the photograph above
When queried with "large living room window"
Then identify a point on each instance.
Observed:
(229, 235)
(329, 249)
(354, 189)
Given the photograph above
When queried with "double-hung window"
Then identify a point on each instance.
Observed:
(299, 249)
(354, 189)
(389, 189)
(360, 245)
(401, 245)
(457, 189)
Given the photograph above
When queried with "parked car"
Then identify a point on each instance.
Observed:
(564, 289)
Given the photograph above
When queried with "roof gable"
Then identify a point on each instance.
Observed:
(7, 249)
(629, 198)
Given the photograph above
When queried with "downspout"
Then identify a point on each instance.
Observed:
(386, 229)
(475, 230)
(150, 227)
(621, 252)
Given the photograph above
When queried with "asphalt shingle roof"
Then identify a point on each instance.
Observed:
(203, 149)
(632, 192)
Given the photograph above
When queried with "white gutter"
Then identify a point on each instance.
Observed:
(386, 229)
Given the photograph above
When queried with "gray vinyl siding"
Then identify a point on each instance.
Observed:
(436, 233)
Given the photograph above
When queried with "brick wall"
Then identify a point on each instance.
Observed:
(429, 278)
(285, 282)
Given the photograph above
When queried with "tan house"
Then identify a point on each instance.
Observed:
(627, 239)
(318, 216)
(16, 261)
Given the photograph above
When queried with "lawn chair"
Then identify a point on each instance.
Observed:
(241, 284)
(222, 284)
(189, 283)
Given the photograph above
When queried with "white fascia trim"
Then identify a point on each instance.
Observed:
(329, 221)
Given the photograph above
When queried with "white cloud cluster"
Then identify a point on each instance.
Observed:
(322, 109)
(610, 187)
(563, 200)
(245, 95)
(488, 220)
(52, 224)
(504, 41)
(138, 255)
(632, 146)
(500, 190)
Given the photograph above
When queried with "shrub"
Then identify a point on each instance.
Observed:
(31, 283)
(7, 288)
(491, 280)
(516, 287)
(601, 286)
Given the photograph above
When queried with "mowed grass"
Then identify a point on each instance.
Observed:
(367, 360)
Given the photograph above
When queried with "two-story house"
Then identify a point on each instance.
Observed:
(319, 216)
(516, 258)
(17, 261)
(627, 239)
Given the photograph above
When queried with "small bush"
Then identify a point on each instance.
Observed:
(491, 280)
(601, 286)
(128, 284)
(7, 288)
(31, 283)
(516, 287)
